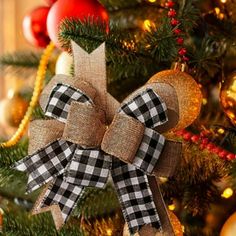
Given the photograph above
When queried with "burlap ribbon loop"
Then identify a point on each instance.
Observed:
(84, 126)
(123, 137)
(77, 149)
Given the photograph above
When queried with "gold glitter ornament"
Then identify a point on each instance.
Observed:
(228, 97)
(178, 228)
(229, 227)
(13, 110)
(188, 94)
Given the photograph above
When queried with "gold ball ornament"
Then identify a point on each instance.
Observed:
(228, 97)
(64, 64)
(229, 227)
(188, 94)
(13, 110)
(178, 230)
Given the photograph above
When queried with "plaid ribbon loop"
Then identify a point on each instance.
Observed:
(70, 167)
(150, 111)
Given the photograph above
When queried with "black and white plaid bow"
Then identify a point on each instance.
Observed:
(69, 167)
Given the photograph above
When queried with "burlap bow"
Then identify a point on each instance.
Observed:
(79, 146)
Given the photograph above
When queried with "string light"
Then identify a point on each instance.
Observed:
(109, 232)
(217, 10)
(221, 131)
(10, 93)
(148, 25)
(221, 16)
(223, 1)
(228, 192)
(152, 1)
(40, 77)
(204, 101)
(171, 207)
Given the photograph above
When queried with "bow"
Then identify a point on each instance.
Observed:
(76, 148)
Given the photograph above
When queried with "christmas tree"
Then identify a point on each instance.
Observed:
(142, 38)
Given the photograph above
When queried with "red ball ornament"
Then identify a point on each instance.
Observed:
(34, 27)
(79, 9)
(50, 2)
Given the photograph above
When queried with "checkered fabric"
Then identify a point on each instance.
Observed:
(88, 168)
(63, 194)
(71, 168)
(147, 107)
(149, 151)
(135, 196)
(60, 99)
(46, 163)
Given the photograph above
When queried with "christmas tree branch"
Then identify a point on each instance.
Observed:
(97, 202)
(197, 190)
(160, 42)
(8, 156)
(20, 60)
(113, 5)
(19, 223)
(90, 34)
(188, 14)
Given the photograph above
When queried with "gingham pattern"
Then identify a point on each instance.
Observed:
(72, 168)
(60, 99)
(63, 194)
(88, 168)
(46, 163)
(147, 107)
(149, 151)
(135, 196)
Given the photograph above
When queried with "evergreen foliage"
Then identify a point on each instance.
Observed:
(132, 57)
(22, 59)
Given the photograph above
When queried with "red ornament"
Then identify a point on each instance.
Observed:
(174, 22)
(210, 146)
(177, 31)
(187, 136)
(216, 150)
(172, 13)
(195, 138)
(205, 141)
(223, 154)
(230, 156)
(34, 27)
(50, 2)
(182, 51)
(185, 58)
(170, 4)
(180, 40)
(79, 9)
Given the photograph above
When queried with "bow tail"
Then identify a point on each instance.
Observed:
(47, 163)
(135, 196)
(60, 198)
